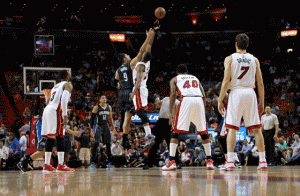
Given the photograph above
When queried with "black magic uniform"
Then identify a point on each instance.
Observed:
(102, 130)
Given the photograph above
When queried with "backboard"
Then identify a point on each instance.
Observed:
(38, 78)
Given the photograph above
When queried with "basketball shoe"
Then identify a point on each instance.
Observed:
(210, 164)
(63, 168)
(171, 165)
(150, 141)
(48, 169)
(262, 165)
(228, 166)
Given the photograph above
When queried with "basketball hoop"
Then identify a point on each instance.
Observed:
(46, 93)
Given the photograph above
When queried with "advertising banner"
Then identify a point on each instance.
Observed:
(153, 117)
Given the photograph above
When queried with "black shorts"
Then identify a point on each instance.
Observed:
(42, 144)
(125, 104)
(102, 134)
(68, 144)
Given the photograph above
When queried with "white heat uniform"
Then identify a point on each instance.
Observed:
(191, 107)
(52, 115)
(140, 99)
(242, 100)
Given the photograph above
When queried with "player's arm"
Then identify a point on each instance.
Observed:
(117, 75)
(93, 117)
(260, 85)
(140, 70)
(142, 49)
(225, 83)
(75, 133)
(172, 99)
(47, 98)
(64, 101)
(203, 93)
(111, 120)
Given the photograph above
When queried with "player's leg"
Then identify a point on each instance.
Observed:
(146, 124)
(126, 129)
(232, 121)
(252, 123)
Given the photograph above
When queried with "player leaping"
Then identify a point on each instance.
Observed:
(124, 75)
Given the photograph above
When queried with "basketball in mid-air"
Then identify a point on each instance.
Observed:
(160, 12)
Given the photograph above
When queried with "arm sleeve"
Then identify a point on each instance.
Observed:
(92, 120)
(64, 102)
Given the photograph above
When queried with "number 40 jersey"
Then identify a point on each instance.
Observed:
(188, 86)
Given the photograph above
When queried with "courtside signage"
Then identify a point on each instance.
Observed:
(289, 33)
(153, 117)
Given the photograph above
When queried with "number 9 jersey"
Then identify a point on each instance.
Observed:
(188, 86)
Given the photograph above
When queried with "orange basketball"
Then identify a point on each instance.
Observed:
(160, 12)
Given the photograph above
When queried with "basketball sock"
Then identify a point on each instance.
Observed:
(147, 130)
(207, 148)
(226, 156)
(230, 156)
(262, 156)
(173, 148)
(236, 157)
(61, 156)
(47, 157)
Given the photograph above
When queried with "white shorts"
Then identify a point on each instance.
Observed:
(190, 109)
(140, 99)
(222, 128)
(242, 103)
(52, 123)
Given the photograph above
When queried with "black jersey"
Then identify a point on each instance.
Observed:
(125, 76)
(103, 114)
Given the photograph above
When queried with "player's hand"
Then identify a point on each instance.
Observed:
(65, 121)
(131, 96)
(275, 137)
(260, 109)
(221, 108)
(171, 120)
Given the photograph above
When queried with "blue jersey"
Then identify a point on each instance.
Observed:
(38, 129)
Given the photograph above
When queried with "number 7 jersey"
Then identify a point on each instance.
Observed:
(188, 86)
(243, 70)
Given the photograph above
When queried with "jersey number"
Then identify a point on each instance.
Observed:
(125, 77)
(245, 71)
(53, 95)
(187, 84)
(104, 117)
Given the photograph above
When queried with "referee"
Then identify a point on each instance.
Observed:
(162, 128)
(270, 127)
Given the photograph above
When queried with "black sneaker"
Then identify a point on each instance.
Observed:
(20, 165)
(146, 166)
(179, 166)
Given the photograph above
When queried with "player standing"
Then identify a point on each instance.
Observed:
(190, 109)
(52, 126)
(241, 71)
(103, 113)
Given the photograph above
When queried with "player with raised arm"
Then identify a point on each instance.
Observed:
(241, 71)
(190, 109)
(124, 75)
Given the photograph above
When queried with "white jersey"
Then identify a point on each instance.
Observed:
(243, 70)
(164, 109)
(55, 95)
(145, 74)
(188, 86)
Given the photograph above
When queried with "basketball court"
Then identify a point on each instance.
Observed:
(282, 180)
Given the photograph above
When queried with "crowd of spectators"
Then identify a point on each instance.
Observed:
(95, 76)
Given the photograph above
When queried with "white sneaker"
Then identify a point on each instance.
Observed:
(210, 165)
(262, 165)
(171, 165)
(228, 166)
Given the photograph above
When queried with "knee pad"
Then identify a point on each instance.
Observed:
(143, 116)
(174, 135)
(205, 136)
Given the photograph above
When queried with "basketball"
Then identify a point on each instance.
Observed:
(160, 12)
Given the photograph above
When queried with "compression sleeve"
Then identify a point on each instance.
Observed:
(92, 120)
(64, 102)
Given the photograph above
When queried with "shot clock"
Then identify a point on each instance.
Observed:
(44, 45)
